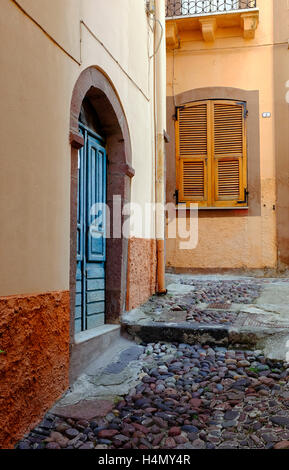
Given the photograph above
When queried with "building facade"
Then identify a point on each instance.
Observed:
(228, 118)
(78, 143)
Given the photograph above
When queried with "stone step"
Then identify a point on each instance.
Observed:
(109, 375)
(215, 335)
(89, 346)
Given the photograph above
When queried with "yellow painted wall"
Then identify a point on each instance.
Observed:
(232, 61)
(38, 74)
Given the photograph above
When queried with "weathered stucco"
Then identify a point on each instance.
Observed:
(34, 338)
(225, 243)
(141, 279)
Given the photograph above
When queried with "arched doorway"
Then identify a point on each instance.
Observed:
(96, 106)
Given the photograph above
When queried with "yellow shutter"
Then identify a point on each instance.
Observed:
(211, 154)
(192, 153)
(193, 179)
(228, 178)
(229, 154)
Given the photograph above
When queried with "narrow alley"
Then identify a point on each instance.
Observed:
(218, 381)
(144, 201)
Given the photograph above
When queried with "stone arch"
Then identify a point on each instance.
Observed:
(94, 85)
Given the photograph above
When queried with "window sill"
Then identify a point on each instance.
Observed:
(179, 207)
(223, 208)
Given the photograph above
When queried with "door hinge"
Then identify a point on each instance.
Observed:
(175, 116)
(246, 194)
(176, 196)
(244, 104)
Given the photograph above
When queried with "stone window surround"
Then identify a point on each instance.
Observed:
(251, 97)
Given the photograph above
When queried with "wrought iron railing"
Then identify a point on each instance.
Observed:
(202, 7)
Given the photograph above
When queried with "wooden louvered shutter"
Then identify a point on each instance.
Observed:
(229, 155)
(192, 151)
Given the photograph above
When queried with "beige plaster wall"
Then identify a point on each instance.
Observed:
(39, 68)
(230, 240)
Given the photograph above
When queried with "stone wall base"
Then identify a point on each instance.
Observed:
(34, 360)
(142, 265)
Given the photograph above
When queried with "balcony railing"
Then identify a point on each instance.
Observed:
(182, 8)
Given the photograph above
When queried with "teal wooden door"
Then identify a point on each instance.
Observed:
(91, 246)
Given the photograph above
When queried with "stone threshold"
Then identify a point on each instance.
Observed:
(94, 333)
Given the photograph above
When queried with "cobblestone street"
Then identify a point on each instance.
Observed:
(185, 396)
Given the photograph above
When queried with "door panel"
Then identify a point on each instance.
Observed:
(95, 298)
(90, 274)
(96, 201)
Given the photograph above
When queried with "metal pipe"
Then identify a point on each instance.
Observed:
(160, 90)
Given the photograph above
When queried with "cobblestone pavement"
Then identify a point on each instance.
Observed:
(245, 305)
(217, 295)
(225, 291)
(188, 396)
